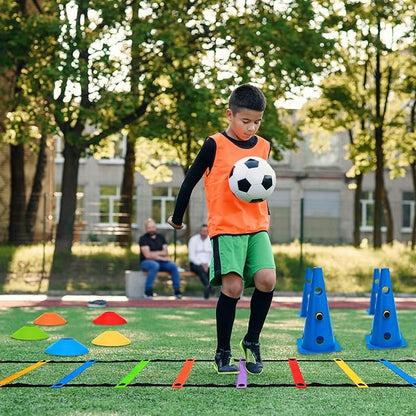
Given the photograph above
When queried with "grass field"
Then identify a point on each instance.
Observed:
(167, 337)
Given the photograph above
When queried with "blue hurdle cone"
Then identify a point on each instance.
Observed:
(317, 334)
(385, 333)
(374, 291)
(306, 292)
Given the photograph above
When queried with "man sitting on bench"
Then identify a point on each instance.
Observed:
(199, 253)
(154, 257)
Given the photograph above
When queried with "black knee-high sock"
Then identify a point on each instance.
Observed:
(259, 308)
(225, 314)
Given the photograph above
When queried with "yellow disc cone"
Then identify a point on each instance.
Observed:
(111, 339)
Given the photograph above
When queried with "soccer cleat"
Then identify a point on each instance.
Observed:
(251, 350)
(178, 294)
(148, 294)
(223, 363)
(99, 303)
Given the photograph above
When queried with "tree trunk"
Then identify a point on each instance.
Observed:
(413, 168)
(356, 236)
(379, 153)
(127, 188)
(17, 232)
(388, 216)
(65, 230)
(379, 187)
(35, 195)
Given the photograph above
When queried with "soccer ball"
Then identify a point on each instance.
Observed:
(252, 179)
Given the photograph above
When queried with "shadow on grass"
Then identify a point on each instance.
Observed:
(6, 258)
(91, 272)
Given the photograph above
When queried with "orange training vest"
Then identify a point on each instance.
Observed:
(226, 213)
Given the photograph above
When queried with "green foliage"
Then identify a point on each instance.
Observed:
(353, 92)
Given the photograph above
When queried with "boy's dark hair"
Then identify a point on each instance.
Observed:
(246, 96)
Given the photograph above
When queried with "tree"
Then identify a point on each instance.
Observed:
(369, 59)
(28, 39)
(208, 55)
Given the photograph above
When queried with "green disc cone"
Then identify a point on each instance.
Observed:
(30, 333)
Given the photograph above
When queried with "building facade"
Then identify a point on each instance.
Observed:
(313, 199)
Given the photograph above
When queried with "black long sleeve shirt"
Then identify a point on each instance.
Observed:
(203, 161)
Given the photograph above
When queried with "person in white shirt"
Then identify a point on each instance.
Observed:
(199, 253)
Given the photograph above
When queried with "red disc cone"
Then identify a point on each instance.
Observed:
(109, 318)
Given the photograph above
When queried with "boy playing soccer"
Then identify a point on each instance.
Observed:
(242, 253)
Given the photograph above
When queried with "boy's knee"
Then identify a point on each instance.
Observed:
(265, 281)
(232, 286)
(266, 286)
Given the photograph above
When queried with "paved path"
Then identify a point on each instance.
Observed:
(119, 301)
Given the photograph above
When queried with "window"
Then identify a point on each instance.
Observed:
(109, 204)
(163, 202)
(408, 211)
(322, 216)
(367, 212)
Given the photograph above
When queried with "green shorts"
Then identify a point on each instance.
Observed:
(243, 254)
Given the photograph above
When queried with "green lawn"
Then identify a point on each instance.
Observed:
(167, 337)
(101, 268)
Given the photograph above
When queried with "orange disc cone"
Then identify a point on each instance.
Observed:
(30, 333)
(111, 339)
(109, 318)
(50, 319)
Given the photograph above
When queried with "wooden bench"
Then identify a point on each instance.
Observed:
(135, 281)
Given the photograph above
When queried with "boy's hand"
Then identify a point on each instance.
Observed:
(172, 224)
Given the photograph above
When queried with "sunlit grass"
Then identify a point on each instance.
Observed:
(101, 267)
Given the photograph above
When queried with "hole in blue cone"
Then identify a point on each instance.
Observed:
(320, 340)
(386, 313)
(386, 290)
(318, 290)
(387, 335)
(319, 316)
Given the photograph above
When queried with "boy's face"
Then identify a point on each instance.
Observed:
(244, 123)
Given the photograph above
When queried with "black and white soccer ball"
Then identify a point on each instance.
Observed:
(252, 179)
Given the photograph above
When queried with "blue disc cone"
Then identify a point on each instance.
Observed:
(385, 332)
(317, 334)
(374, 291)
(306, 292)
(66, 347)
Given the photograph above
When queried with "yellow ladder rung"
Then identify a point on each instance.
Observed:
(351, 374)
